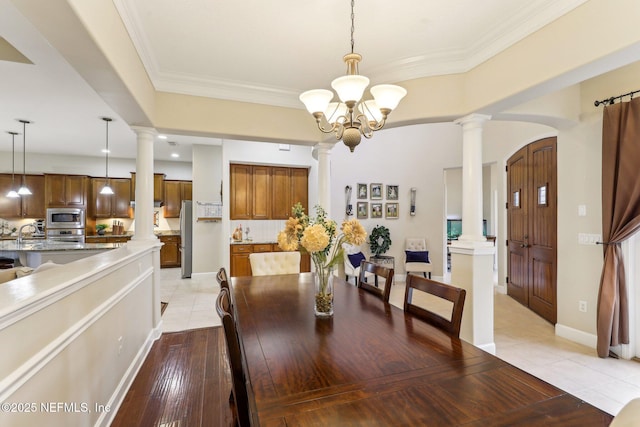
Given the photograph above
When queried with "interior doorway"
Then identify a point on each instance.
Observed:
(532, 227)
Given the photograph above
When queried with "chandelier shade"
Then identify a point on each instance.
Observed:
(352, 118)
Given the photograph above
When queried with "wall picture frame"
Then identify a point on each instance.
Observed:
(376, 210)
(362, 210)
(362, 191)
(376, 191)
(391, 210)
(392, 192)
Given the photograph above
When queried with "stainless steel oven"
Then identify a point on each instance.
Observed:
(65, 218)
(65, 224)
(74, 235)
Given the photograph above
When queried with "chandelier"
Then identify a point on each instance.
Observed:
(106, 189)
(351, 118)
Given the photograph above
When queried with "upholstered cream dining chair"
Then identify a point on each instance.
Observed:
(270, 263)
(417, 256)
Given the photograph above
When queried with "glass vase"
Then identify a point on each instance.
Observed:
(323, 305)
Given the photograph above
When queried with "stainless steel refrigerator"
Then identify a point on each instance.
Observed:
(186, 237)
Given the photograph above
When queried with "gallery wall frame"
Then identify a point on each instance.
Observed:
(376, 210)
(362, 210)
(391, 210)
(392, 192)
(376, 191)
(362, 191)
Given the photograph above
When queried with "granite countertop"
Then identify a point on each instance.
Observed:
(254, 242)
(48, 245)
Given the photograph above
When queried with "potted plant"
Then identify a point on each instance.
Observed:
(100, 228)
(379, 240)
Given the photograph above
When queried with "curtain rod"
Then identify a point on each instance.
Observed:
(609, 101)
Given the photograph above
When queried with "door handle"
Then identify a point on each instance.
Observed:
(524, 245)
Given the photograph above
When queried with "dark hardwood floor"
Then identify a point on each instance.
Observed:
(184, 381)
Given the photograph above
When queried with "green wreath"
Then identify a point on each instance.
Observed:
(379, 240)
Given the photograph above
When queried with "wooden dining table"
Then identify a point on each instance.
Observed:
(371, 364)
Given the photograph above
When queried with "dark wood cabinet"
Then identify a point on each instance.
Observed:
(174, 193)
(115, 205)
(65, 190)
(170, 251)
(31, 206)
(266, 192)
(158, 187)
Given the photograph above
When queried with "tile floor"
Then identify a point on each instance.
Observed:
(522, 339)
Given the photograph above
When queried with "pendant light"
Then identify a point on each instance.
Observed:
(23, 190)
(12, 192)
(106, 189)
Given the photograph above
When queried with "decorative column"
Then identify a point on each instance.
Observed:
(144, 184)
(471, 254)
(323, 152)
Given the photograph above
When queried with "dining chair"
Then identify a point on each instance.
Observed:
(369, 271)
(270, 263)
(223, 279)
(234, 352)
(446, 292)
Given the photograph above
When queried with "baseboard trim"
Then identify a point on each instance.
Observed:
(575, 335)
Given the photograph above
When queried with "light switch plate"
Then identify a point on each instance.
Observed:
(582, 210)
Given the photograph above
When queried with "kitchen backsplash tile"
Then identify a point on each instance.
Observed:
(259, 230)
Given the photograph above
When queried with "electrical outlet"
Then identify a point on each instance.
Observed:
(582, 306)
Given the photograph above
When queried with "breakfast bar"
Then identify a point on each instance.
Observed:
(373, 365)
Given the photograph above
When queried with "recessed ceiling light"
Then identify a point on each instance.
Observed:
(104, 150)
(175, 155)
(162, 136)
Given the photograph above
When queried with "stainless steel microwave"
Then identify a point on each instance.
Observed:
(65, 218)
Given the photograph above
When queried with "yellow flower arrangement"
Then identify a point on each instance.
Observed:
(318, 236)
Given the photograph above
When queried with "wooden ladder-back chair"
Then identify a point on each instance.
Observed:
(223, 279)
(234, 351)
(364, 281)
(442, 290)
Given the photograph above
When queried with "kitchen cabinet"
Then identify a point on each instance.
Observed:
(241, 191)
(65, 191)
(261, 197)
(266, 192)
(299, 189)
(170, 251)
(174, 193)
(158, 187)
(240, 265)
(24, 206)
(281, 190)
(115, 205)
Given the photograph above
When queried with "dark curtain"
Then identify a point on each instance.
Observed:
(620, 217)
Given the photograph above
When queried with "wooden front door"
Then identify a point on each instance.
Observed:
(531, 225)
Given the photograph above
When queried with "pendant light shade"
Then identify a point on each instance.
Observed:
(12, 192)
(106, 189)
(24, 190)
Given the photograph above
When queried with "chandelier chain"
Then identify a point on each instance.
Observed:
(353, 27)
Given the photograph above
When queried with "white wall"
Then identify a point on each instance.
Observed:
(207, 251)
(413, 156)
(92, 166)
